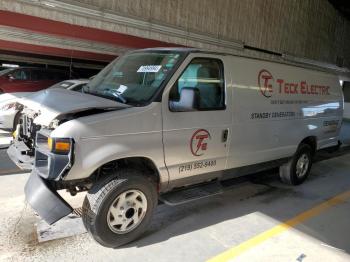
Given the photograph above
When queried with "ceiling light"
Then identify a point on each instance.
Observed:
(9, 65)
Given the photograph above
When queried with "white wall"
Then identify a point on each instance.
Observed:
(305, 28)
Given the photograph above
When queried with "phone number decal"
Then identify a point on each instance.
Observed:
(197, 165)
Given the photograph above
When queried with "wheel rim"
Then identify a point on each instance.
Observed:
(302, 165)
(127, 211)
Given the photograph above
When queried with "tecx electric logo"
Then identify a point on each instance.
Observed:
(268, 86)
(265, 83)
(198, 142)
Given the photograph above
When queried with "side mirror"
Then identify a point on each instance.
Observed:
(189, 100)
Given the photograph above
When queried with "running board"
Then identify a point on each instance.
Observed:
(186, 195)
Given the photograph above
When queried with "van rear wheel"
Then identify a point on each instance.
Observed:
(117, 211)
(298, 168)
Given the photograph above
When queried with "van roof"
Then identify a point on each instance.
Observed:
(283, 59)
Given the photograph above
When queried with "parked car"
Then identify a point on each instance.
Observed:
(10, 107)
(29, 79)
(170, 125)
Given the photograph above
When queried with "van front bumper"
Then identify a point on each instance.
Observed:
(6, 119)
(17, 153)
(45, 200)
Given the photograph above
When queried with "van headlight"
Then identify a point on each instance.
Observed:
(59, 145)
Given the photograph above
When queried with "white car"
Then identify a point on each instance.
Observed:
(10, 108)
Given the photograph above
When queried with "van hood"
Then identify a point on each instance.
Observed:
(51, 103)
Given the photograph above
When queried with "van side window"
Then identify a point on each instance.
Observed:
(204, 80)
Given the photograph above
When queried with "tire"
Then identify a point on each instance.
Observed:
(290, 173)
(98, 212)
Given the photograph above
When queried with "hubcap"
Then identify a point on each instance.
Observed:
(302, 165)
(127, 211)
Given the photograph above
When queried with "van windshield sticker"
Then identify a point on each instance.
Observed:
(149, 69)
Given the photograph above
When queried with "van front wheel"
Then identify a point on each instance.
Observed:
(298, 167)
(117, 211)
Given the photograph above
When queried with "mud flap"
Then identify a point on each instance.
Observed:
(46, 202)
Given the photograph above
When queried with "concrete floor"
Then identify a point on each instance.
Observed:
(345, 132)
(242, 220)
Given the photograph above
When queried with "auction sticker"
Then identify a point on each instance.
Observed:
(149, 69)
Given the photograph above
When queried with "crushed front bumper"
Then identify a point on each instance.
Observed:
(17, 153)
(6, 119)
(45, 200)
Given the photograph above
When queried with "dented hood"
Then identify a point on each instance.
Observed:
(51, 103)
(12, 97)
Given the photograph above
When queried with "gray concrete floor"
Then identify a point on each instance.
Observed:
(203, 229)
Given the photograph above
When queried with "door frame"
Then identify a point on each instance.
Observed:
(179, 180)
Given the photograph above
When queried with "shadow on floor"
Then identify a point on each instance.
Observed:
(258, 193)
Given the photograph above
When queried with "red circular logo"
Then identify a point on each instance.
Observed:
(198, 143)
(265, 83)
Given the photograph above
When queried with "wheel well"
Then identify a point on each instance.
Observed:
(142, 164)
(311, 141)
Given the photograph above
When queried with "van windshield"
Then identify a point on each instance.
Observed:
(134, 78)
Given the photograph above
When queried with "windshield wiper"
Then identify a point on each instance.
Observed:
(120, 97)
(105, 96)
(115, 94)
(106, 93)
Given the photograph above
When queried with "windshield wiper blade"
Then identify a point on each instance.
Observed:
(120, 97)
(116, 94)
(107, 97)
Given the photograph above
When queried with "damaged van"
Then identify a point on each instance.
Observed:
(169, 125)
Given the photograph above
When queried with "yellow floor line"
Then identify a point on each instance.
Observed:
(237, 250)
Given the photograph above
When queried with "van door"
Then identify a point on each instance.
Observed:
(196, 121)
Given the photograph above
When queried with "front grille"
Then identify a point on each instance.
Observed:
(28, 130)
(42, 138)
(26, 126)
(48, 165)
(42, 156)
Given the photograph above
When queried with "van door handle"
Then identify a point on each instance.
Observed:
(224, 135)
